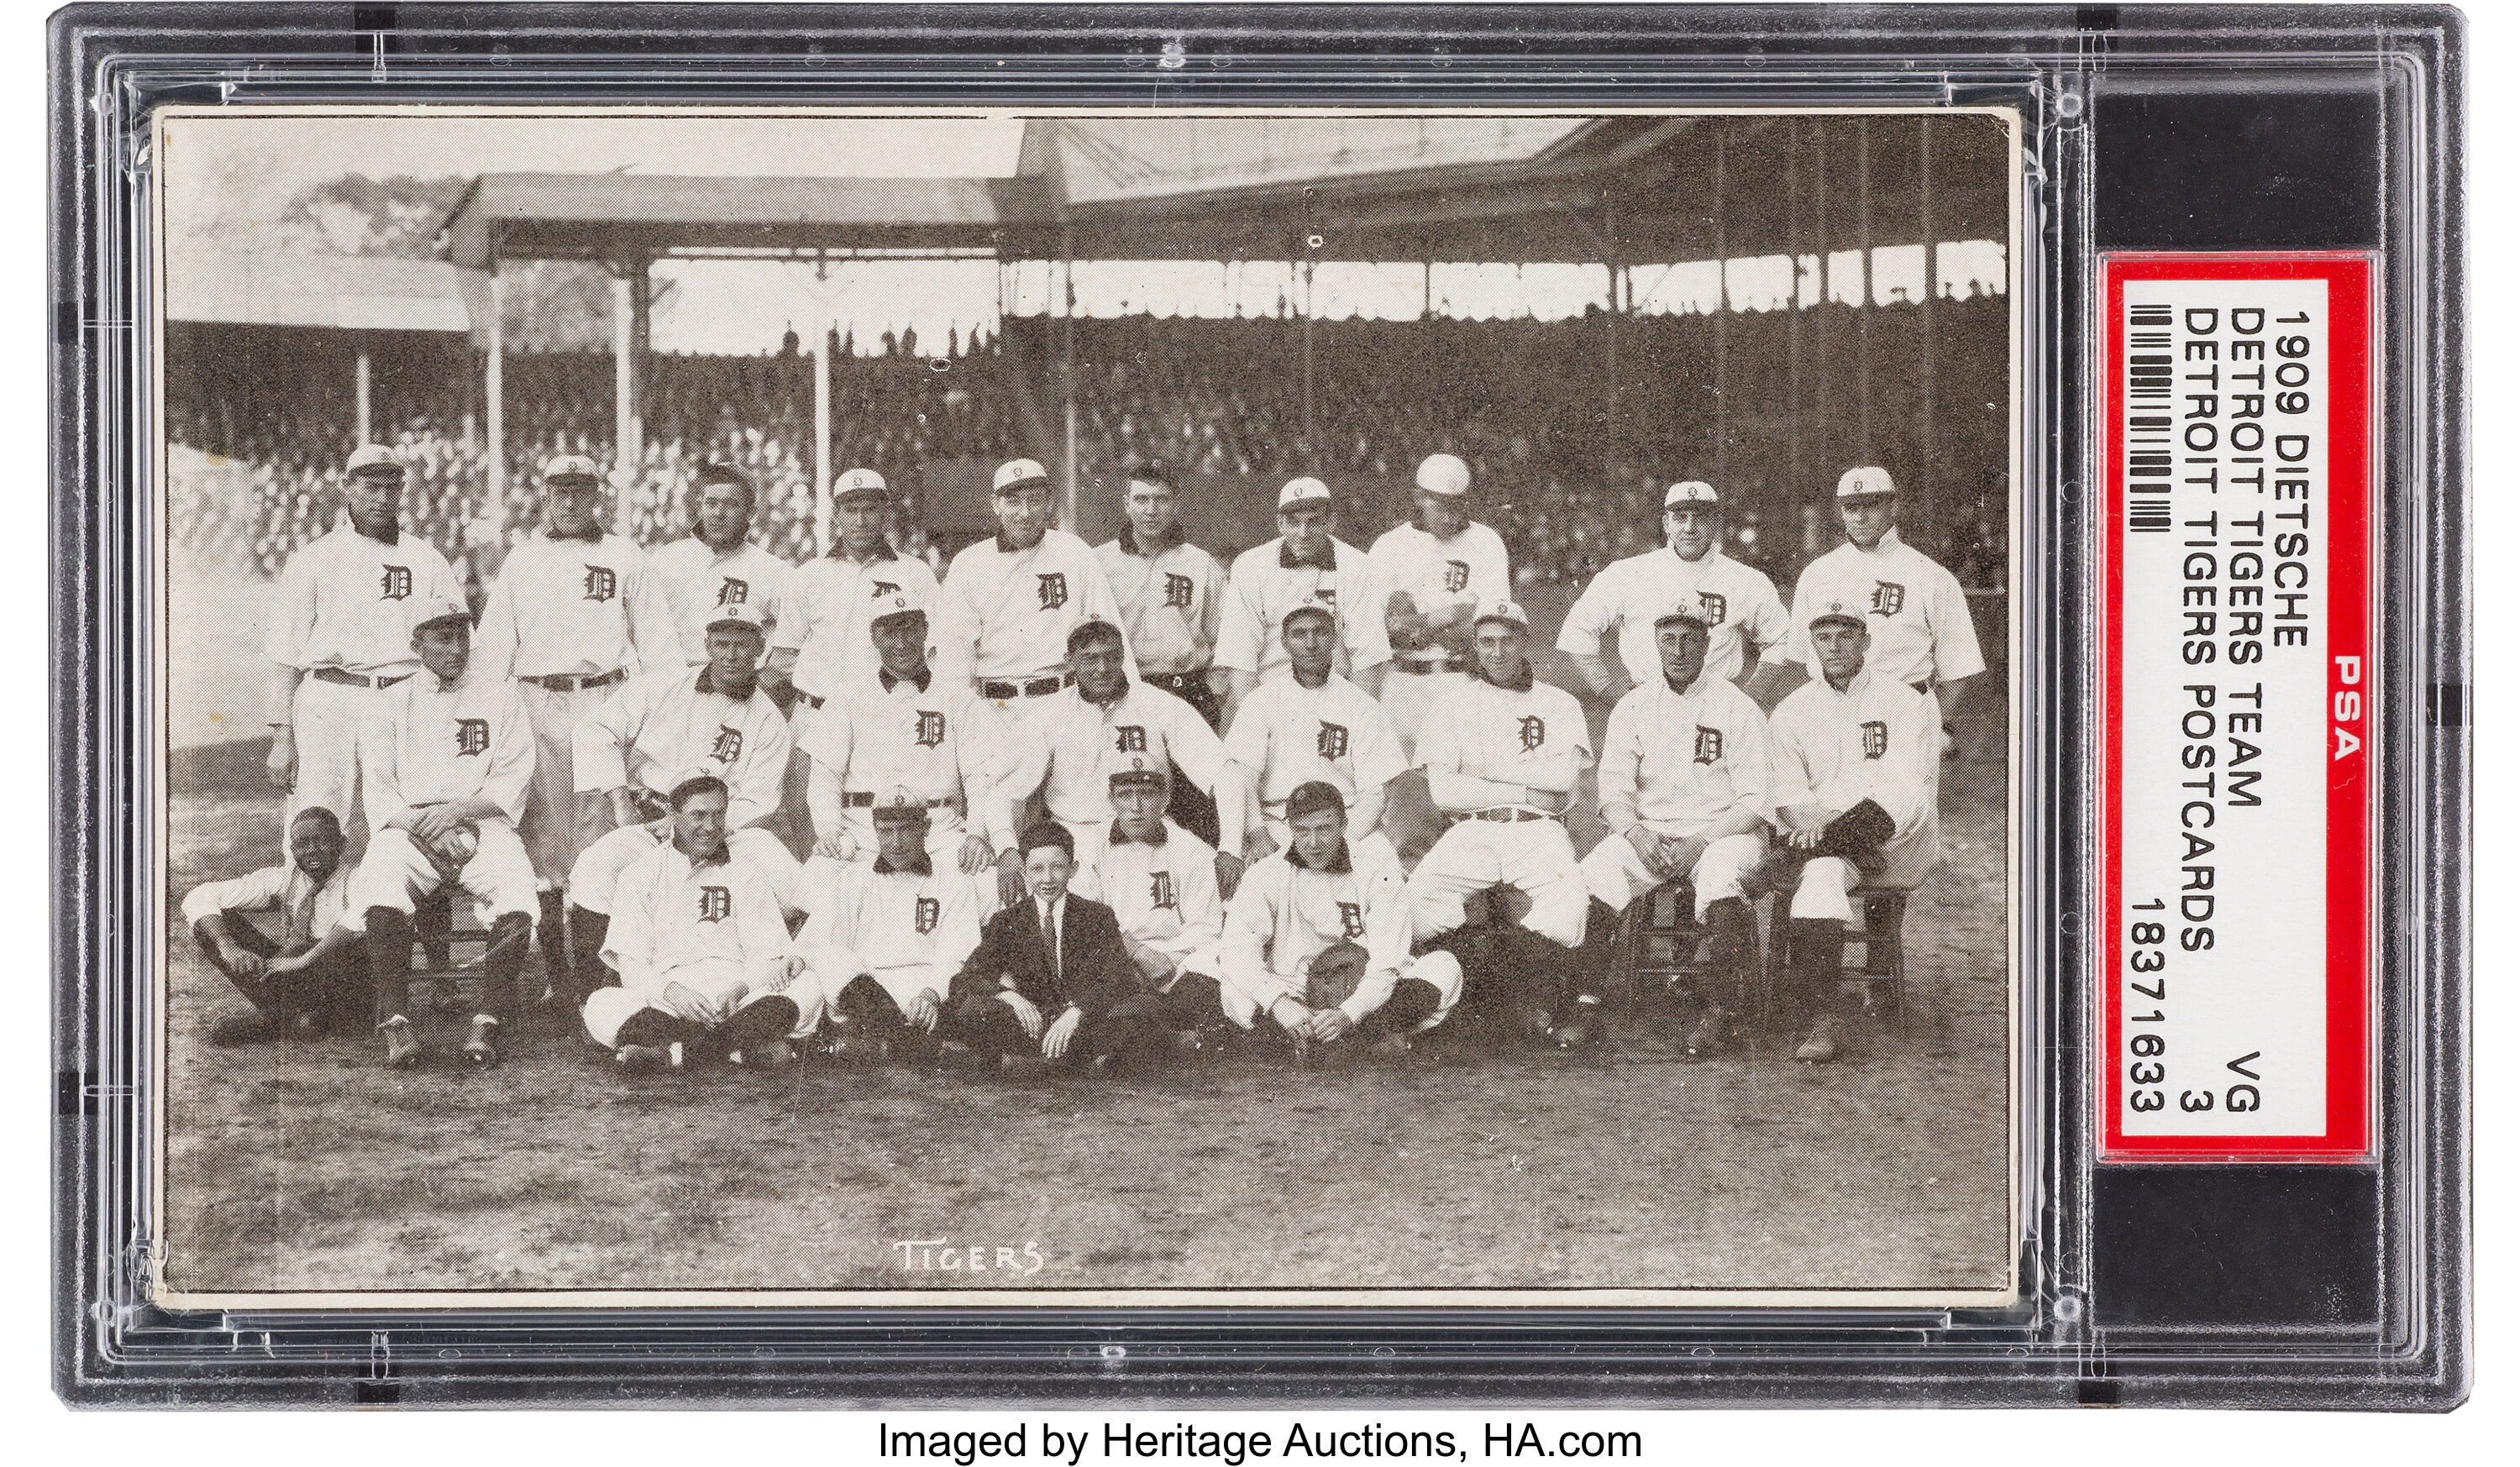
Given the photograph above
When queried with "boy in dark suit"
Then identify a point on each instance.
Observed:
(1052, 981)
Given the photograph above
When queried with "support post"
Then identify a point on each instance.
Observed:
(641, 293)
(1610, 252)
(495, 401)
(366, 435)
(1794, 305)
(1723, 319)
(1863, 306)
(1926, 364)
(822, 353)
(1312, 438)
(1067, 368)
(625, 451)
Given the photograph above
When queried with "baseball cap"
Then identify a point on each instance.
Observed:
(1838, 611)
(1018, 474)
(900, 803)
(1681, 614)
(1444, 475)
(1864, 483)
(908, 601)
(1502, 611)
(742, 613)
(1312, 795)
(374, 459)
(1089, 628)
(570, 469)
(860, 481)
(442, 608)
(1308, 608)
(1139, 772)
(1303, 491)
(1691, 492)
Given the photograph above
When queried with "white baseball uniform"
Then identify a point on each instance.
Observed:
(1484, 747)
(710, 925)
(1879, 740)
(1268, 582)
(828, 603)
(701, 580)
(937, 738)
(1286, 735)
(1004, 614)
(1073, 746)
(660, 729)
(425, 742)
(909, 930)
(1285, 913)
(1739, 605)
(1172, 603)
(312, 910)
(1919, 621)
(564, 611)
(1164, 894)
(1682, 761)
(1469, 569)
(344, 615)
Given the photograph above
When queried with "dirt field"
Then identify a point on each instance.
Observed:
(308, 1166)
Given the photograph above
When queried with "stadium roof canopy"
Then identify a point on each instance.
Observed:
(354, 293)
(1524, 189)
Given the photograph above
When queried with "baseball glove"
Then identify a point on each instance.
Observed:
(1335, 973)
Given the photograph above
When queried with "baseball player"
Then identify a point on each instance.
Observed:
(289, 994)
(1172, 606)
(652, 735)
(1501, 757)
(1317, 939)
(1687, 788)
(446, 757)
(1009, 601)
(1857, 766)
(1160, 881)
(1307, 564)
(1077, 739)
(341, 629)
(1304, 725)
(701, 950)
(717, 565)
(821, 640)
(1433, 574)
(1050, 982)
(1745, 622)
(574, 612)
(1922, 632)
(888, 935)
(901, 726)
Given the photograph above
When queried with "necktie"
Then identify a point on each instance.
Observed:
(1050, 941)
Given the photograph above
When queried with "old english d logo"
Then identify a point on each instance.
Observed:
(1333, 744)
(1159, 892)
(1351, 920)
(1877, 737)
(1887, 598)
(1178, 589)
(1710, 745)
(1457, 575)
(715, 903)
(1130, 738)
(472, 736)
(1713, 605)
(731, 592)
(1534, 733)
(396, 584)
(728, 746)
(1053, 590)
(923, 914)
(601, 586)
(931, 729)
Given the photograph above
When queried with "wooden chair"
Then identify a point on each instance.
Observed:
(1873, 953)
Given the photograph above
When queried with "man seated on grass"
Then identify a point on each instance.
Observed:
(703, 951)
(294, 990)
(1050, 982)
(887, 935)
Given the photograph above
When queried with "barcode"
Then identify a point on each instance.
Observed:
(2147, 315)
(2148, 516)
(2149, 450)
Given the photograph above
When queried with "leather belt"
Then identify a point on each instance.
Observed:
(861, 799)
(1172, 681)
(353, 680)
(809, 701)
(1036, 687)
(1924, 686)
(573, 683)
(1422, 669)
(1506, 815)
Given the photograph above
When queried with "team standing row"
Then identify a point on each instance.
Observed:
(1066, 802)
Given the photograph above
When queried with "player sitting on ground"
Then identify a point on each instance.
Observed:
(703, 951)
(1317, 939)
(1306, 724)
(1858, 765)
(1160, 881)
(289, 994)
(1050, 982)
(1503, 754)
(1686, 791)
(887, 935)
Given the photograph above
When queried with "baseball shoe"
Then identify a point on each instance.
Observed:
(482, 1045)
(1393, 1044)
(778, 1054)
(1015, 1066)
(237, 1029)
(636, 1058)
(1585, 1026)
(1820, 1046)
(309, 1025)
(1711, 1035)
(1536, 1024)
(402, 1046)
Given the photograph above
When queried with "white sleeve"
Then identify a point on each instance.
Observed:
(256, 891)
(1956, 649)
(1590, 616)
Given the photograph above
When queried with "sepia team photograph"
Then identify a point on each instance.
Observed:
(1220, 708)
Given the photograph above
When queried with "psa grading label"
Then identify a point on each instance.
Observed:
(2237, 707)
